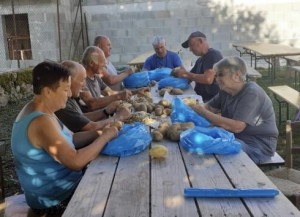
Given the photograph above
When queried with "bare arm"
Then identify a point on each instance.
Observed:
(115, 79)
(206, 78)
(98, 103)
(234, 126)
(45, 133)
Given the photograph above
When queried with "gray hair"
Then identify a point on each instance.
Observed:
(234, 64)
(71, 66)
(90, 54)
(158, 40)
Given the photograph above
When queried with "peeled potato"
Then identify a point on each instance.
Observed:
(158, 151)
(156, 136)
(118, 124)
(164, 103)
(147, 94)
(167, 111)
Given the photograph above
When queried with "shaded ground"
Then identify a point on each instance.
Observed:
(9, 113)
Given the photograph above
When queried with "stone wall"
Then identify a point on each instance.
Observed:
(131, 24)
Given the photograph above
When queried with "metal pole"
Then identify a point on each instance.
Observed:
(15, 32)
(58, 29)
(81, 18)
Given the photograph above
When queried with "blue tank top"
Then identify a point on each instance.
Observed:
(45, 182)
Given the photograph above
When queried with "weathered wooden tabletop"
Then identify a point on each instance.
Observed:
(139, 186)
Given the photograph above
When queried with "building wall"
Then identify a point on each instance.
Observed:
(43, 26)
(131, 24)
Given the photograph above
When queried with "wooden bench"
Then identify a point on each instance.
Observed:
(288, 95)
(297, 70)
(253, 74)
(275, 161)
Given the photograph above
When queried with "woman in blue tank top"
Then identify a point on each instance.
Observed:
(47, 157)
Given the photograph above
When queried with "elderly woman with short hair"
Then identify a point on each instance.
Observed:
(246, 110)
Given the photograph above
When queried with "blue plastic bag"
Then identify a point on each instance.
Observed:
(136, 80)
(158, 74)
(183, 113)
(181, 83)
(132, 139)
(213, 140)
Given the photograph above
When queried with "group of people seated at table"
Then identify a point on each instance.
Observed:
(66, 124)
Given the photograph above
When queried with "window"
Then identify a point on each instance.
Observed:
(18, 37)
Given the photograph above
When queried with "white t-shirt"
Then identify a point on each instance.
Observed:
(113, 71)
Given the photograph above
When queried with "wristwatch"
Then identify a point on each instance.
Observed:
(106, 113)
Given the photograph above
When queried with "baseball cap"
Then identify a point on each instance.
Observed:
(194, 34)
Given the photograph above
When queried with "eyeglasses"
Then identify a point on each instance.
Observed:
(219, 74)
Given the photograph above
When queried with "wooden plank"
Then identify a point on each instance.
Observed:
(91, 194)
(244, 173)
(293, 58)
(167, 188)
(270, 50)
(205, 172)
(287, 93)
(130, 194)
(251, 72)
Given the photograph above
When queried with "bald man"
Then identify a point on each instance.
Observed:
(111, 76)
(72, 115)
(97, 94)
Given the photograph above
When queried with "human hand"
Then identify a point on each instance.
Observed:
(130, 70)
(123, 114)
(178, 72)
(112, 107)
(199, 108)
(125, 95)
(110, 132)
(143, 91)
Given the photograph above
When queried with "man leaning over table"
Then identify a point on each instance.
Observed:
(162, 57)
(72, 115)
(96, 94)
(202, 73)
(111, 76)
(246, 110)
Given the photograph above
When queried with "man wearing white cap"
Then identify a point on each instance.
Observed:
(202, 73)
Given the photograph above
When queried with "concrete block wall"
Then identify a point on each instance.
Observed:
(131, 24)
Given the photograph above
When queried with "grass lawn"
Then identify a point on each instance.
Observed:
(9, 113)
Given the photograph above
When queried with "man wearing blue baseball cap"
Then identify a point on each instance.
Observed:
(202, 73)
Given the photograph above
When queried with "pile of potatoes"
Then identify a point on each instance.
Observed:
(170, 90)
(163, 107)
(170, 131)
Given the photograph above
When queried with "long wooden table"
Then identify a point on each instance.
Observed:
(138, 61)
(268, 52)
(140, 186)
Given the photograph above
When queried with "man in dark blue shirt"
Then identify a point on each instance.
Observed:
(202, 73)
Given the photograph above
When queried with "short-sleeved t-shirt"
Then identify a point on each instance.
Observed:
(113, 71)
(207, 91)
(95, 86)
(254, 107)
(72, 116)
(171, 60)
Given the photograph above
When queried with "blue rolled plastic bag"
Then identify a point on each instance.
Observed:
(158, 74)
(183, 113)
(136, 80)
(213, 140)
(132, 139)
(181, 83)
